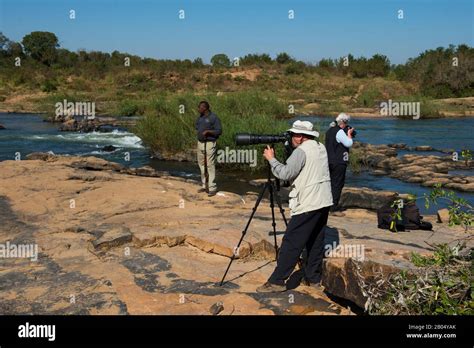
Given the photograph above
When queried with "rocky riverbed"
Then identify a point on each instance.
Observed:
(115, 240)
(426, 170)
(71, 123)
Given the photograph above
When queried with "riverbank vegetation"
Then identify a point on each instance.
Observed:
(168, 123)
(120, 83)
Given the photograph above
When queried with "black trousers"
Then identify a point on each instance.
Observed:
(338, 177)
(304, 230)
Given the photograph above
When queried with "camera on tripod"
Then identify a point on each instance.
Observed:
(272, 186)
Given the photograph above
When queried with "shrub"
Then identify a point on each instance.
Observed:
(295, 68)
(129, 107)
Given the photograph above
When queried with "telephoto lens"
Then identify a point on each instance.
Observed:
(254, 139)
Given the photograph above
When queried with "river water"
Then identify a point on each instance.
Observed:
(28, 133)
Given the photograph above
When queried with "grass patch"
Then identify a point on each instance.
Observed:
(369, 97)
(129, 107)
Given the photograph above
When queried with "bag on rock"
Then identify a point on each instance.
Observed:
(387, 219)
(410, 218)
(413, 219)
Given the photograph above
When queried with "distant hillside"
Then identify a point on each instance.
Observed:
(120, 83)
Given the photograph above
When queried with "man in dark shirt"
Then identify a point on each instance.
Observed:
(208, 127)
(338, 144)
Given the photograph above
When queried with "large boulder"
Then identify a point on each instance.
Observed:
(365, 198)
(347, 278)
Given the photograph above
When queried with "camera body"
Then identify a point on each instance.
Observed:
(347, 128)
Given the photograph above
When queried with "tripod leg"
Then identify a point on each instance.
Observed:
(244, 232)
(272, 206)
(280, 206)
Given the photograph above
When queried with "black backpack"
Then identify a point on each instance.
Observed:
(410, 218)
(387, 219)
(413, 219)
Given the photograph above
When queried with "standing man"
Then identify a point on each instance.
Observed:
(338, 142)
(310, 199)
(208, 127)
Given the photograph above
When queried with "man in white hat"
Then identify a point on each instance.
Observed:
(338, 143)
(310, 198)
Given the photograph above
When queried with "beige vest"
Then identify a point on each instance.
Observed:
(312, 187)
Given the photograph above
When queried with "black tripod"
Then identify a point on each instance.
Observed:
(272, 185)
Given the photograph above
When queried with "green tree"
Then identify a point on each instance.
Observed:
(220, 60)
(283, 58)
(442, 72)
(66, 58)
(251, 59)
(198, 63)
(359, 67)
(378, 65)
(15, 49)
(344, 64)
(326, 63)
(10, 48)
(41, 46)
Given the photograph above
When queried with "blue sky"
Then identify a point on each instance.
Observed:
(326, 28)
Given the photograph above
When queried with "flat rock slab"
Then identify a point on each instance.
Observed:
(163, 241)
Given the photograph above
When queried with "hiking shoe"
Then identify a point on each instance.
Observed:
(202, 190)
(337, 213)
(269, 287)
(211, 193)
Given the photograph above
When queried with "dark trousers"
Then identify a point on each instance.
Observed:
(338, 177)
(304, 230)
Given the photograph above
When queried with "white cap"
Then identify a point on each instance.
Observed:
(343, 117)
(303, 127)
